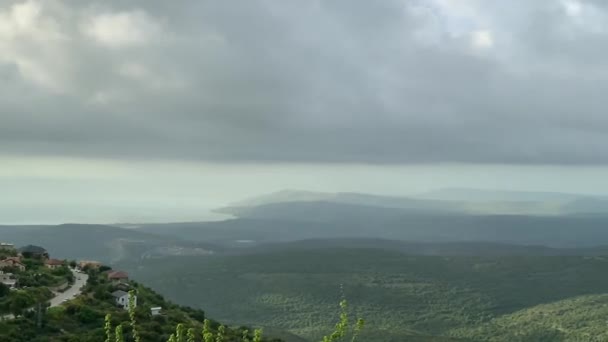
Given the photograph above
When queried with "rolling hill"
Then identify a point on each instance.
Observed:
(280, 222)
(574, 319)
(99, 242)
(406, 295)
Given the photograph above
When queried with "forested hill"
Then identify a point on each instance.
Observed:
(82, 319)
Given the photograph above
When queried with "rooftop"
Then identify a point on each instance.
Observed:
(118, 275)
(13, 259)
(55, 262)
(32, 249)
(119, 293)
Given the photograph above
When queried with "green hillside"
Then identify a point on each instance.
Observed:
(400, 296)
(576, 319)
(82, 318)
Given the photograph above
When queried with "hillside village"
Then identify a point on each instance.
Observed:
(28, 275)
(43, 299)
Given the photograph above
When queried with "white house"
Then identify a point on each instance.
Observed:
(4, 246)
(155, 311)
(8, 279)
(122, 299)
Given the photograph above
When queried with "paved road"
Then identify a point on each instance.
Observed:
(80, 279)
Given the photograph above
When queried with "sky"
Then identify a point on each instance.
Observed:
(150, 110)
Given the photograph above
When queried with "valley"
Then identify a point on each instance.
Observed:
(414, 273)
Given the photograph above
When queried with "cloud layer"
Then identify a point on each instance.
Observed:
(393, 82)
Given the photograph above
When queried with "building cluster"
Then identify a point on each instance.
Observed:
(120, 280)
(15, 262)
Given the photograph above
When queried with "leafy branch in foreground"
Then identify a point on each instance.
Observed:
(183, 334)
(207, 334)
(119, 336)
(133, 322)
(341, 330)
(191, 335)
(108, 328)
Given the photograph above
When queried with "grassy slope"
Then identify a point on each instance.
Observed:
(399, 295)
(576, 319)
(82, 319)
(81, 241)
(296, 221)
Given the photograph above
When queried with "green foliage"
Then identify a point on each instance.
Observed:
(32, 263)
(4, 291)
(341, 330)
(207, 334)
(183, 334)
(357, 330)
(341, 327)
(118, 334)
(5, 253)
(191, 335)
(257, 335)
(133, 322)
(402, 297)
(91, 319)
(180, 333)
(221, 331)
(16, 302)
(108, 328)
(575, 319)
(87, 315)
(36, 275)
(20, 300)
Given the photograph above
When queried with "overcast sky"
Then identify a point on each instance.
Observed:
(121, 106)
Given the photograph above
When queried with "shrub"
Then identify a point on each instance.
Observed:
(342, 331)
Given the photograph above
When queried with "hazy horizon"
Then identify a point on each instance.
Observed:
(144, 111)
(93, 191)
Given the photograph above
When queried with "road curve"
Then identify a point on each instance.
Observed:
(80, 279)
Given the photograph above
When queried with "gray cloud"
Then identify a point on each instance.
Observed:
(393, 82)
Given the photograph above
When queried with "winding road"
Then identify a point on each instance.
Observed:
(80, 280)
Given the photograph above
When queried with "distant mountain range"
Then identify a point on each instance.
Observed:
(552, 220)
(461, 200)
(466, 194)
(101, 242)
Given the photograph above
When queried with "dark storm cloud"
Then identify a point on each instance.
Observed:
(315, 81)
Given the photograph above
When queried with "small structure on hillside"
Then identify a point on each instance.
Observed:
(122, 286)
(12, 262)
(155, 311)
(8, 279)
(122, 299)
(9, 247)
(118, 277)
(54, 263)
(89, 263)
(31, 251)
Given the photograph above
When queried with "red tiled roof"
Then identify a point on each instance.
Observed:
(118, 275)
(54, 262)
(13, 260)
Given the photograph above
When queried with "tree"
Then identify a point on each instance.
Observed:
(4, 290)
(19, 301)
(104, 268)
